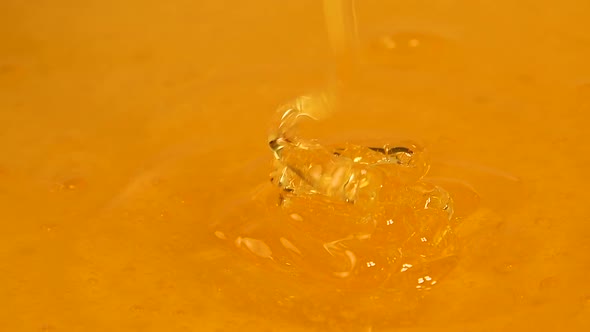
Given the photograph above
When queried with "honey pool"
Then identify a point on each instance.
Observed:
(128, 127)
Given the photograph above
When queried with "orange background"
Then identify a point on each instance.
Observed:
(124, 125)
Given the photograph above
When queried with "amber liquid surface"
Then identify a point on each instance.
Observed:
(130, 129)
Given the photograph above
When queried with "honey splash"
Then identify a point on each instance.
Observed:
(350, 222)
(126, 127)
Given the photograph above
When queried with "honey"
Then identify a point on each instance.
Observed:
(135, 168)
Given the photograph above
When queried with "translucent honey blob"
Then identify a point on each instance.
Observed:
(352, 216)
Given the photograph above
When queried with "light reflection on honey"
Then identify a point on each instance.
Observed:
(126, 127)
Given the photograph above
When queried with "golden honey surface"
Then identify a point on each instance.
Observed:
(134, 172)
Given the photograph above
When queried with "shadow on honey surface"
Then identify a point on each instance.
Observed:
(129, 131)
